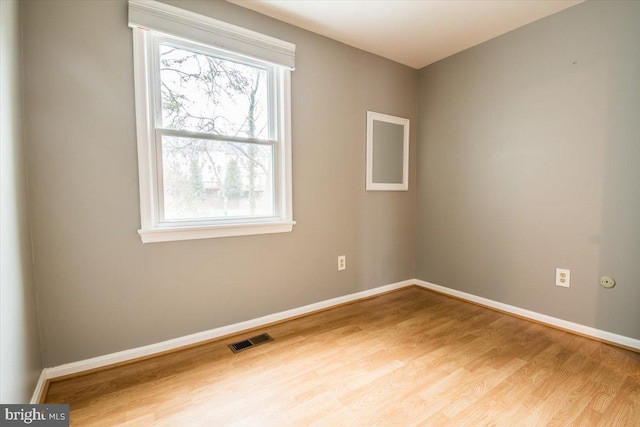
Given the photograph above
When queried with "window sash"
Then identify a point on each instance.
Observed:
(273, 100)
(273, 87)
(275, 182)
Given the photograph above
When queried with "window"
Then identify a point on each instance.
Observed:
(213, 120)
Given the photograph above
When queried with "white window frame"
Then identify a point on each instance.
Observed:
(153, 22)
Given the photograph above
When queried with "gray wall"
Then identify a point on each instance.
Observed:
(20, 361)
(388, 153)
(101, 289)
(529, 159)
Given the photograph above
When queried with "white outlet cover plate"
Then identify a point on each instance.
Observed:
(342, 262)
(563, 277)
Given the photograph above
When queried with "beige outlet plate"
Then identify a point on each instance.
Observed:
(607, 282)
(563, 277)
(342, 262)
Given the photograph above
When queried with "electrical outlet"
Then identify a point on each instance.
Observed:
(563, 277)
(342, 262)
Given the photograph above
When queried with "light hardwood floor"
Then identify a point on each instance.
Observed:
(410, 357)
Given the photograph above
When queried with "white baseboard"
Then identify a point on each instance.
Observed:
(37, 393)
(542, 318)
(148, 350)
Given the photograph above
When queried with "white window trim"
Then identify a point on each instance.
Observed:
(151, 229)
(164, 18)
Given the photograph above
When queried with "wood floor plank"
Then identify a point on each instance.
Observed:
(407, 358)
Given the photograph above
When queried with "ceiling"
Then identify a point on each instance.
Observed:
(412, 32)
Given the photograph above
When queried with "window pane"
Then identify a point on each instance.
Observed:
(205, 179)
(203, 93)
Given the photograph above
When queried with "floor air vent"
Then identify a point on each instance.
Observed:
(239, 346)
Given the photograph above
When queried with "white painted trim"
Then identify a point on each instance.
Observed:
(378, 186)
(37, 393)
(148, 350)
(538, 317)
(167, 19)
(286, 177)
(227, 230)
(144, 131)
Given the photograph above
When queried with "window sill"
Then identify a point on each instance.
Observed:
(213, 231)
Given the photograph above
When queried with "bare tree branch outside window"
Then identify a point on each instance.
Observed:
(214, 178)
